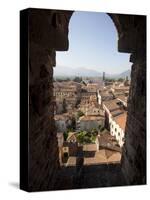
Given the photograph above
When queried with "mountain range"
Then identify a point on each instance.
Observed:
(63, 71)
(124, 74)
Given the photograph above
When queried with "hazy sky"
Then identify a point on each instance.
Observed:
(93, 44)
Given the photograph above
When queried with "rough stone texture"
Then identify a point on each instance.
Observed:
(134, 154)
(77, 177)
(48, 32)
(132, 39)
(42, 139)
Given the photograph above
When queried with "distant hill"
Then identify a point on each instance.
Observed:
(124, 74)
(121, 75)
(80, 71)
(63, 71)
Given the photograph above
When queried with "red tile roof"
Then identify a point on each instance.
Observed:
(121, 120)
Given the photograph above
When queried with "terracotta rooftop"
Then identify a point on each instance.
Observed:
(102, 157)
(71, 161)
(117, 112)
(105, 137)
(93, 157)
(89, 147)
(94, 108)
(71, 134)
(122, 98)
(121, 120)
(64, 116)
(66, 86)
(90, 118)
(121, 88)
(112, 104)
(71, 98)
(105, 93)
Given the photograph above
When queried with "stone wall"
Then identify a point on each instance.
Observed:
(43, 153)
(134, 154)
(48, 32)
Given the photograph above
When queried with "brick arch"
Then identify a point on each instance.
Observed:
(48, 33)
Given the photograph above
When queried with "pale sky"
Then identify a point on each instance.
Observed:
(93, 44)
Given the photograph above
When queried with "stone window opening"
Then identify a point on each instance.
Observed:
(42, 110)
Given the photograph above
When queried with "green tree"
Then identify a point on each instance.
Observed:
(80, 136)
(93, 138)
(84, 137)
(67, 79)
(77, 79)
(65, 135)
(110, 79)
(99, 126)
(102, 129)
(120, 79)
(94, 131)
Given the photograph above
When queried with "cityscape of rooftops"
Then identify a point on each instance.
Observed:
(91, 89)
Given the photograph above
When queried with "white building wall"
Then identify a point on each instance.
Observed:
(117, 132)
(99, 98)
(60, 138)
